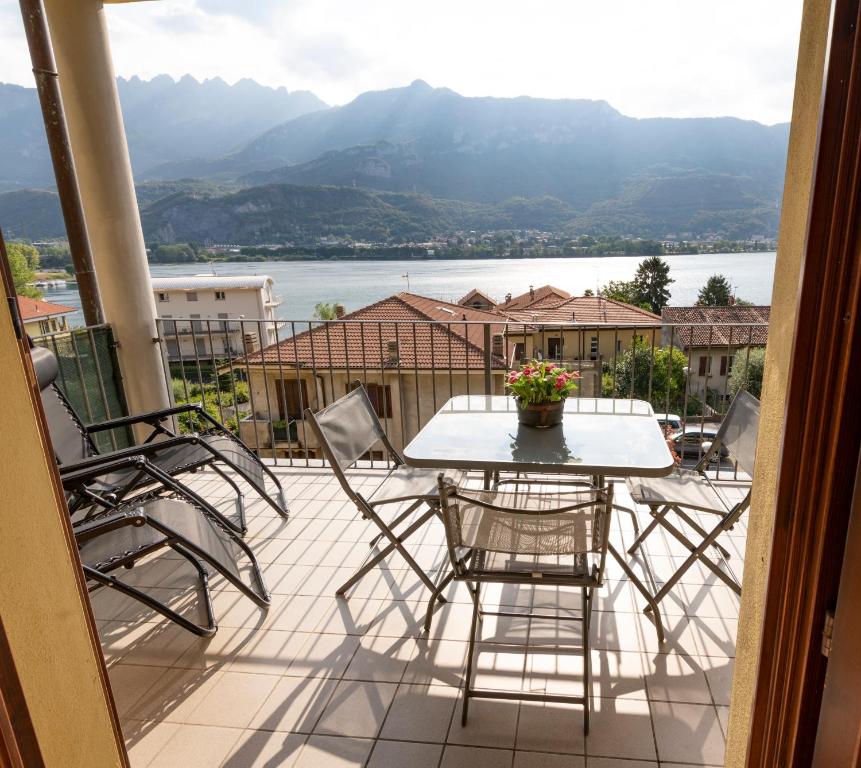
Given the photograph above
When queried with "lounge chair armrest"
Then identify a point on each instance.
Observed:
(152, 418)
(103, 462)
(92, 529)
(72, 476)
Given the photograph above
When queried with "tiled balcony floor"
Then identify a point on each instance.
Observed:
(318, 681)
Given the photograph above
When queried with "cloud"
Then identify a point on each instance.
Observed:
(665, 57)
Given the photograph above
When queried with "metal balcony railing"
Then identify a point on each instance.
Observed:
(259, 376)
(89, 377)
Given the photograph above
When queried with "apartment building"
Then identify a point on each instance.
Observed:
(196, 310)
(712, 338)
(41, 317)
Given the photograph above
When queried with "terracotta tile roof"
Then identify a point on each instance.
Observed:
(446, 343)
(476, 294)
(34, 309)
(591, 310)
(535, 297)
(717, 325)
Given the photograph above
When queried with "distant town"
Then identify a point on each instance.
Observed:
(522, 244)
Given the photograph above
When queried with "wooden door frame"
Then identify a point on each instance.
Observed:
(21, 722)
(822, 427)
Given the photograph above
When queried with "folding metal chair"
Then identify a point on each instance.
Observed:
(112, 537)
(533, 538)
(347, 430)
(693, 490)
(216, 448)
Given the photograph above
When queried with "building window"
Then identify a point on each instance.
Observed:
(593, 347)
(292, 398)
(196, 324)
(219, 296)
(222, 316)
(554, 348)
(723, 365)
(380, 397)
(618, 345)
(44, 327)
(519, 350)
(163, 296)
(172, 349)
(705, 365)
(191, 296)
(169, 325)
(200, 346)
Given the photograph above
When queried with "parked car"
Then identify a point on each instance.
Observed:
(671, 420)
(695, 439)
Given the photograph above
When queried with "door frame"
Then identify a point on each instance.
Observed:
(823, 424)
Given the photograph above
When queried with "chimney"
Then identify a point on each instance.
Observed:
(497, 347)
(392, 350)
(340, 311)
(531, 293)
(507, 297)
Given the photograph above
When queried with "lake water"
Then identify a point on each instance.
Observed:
(357, 283)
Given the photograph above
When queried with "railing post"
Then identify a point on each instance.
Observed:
(488, 381)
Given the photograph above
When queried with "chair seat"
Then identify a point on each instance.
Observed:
(174, 515)
(684, 488)
(576, 569)
(405, 482)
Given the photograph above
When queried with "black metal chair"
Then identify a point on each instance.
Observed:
(531, 538)
(115, 536)
(687, 491)
(347, 430)
(172, 453)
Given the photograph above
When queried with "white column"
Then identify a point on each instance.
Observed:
(88, 86)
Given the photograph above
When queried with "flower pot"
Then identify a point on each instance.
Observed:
(540, 416)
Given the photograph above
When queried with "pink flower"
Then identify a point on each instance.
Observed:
(561, 382)
(527, 371)
(513, 376)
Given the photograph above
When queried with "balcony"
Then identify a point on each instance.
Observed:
(322, 681)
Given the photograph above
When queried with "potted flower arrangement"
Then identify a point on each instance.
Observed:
(540, 389)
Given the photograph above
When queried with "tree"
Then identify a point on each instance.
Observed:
(651, 283)
(325, 311)
(717, 292)
(588, 292)
(747, 370)
(620, 290)
(23, 261)
(666, 366)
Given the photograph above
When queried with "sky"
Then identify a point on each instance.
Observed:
(647, 58)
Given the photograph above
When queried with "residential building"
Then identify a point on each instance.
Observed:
(411, 367)
(534, 297)
(712, 338)
(477, 299)
(577, 329)
(210, 301)
(411, 352)
(41, 317)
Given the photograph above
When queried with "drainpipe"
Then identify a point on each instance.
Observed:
(45, 72)
(80, 39)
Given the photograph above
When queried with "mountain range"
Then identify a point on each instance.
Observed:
(246, 163)
(166, 121)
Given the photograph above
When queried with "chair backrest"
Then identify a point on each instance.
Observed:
(739, 430)
(528, 523)
(347, 429)
(69, 437)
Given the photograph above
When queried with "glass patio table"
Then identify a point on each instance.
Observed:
(598, 437)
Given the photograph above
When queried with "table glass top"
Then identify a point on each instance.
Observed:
(597, 436)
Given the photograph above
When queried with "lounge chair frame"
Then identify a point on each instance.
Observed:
(106, 517)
